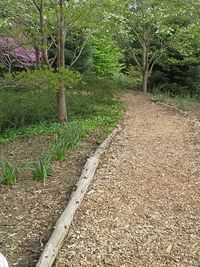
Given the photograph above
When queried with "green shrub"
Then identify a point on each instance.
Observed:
(25, 108)
(9, 171)
(131, 80)
(26, 113)
(43, 80)
(107, 56)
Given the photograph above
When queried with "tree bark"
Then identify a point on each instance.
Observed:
(144, 81)
(61, 101)
(61, 104)
(145, 69)
(45, 59)
(37, 54)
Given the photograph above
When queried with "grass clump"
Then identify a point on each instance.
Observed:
(9, 171)
(60, 147)
(42, 169)
(73, 134)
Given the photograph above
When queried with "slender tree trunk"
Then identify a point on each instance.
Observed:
(61, 100)
(61, 105)
(144, 81)
(37, 54)
(45, 60)
(145, 68)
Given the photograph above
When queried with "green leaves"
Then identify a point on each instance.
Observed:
(44, 79)
(42, 169)
(107, 56)
(9, 172)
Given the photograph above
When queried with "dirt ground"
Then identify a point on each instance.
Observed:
(28, 210)
(143, 207)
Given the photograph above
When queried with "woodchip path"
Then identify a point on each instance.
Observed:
(143, 206)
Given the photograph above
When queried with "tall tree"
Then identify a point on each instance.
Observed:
(46, 23)
(148, 28)
(62, 112)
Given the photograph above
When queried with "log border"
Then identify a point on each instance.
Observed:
(62, 226)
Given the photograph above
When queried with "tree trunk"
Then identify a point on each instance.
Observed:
(61, 101)
(144, 81)
(45, 59)
(145, 69)
(37, 54)
(61, 104)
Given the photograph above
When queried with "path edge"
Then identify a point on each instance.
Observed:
(182, 112)
(65, 220)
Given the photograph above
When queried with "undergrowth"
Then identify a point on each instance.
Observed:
(85, 110)
(100, 115)
(182, 102)
(87, 126)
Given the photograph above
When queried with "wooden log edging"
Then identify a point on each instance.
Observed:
(62, 226)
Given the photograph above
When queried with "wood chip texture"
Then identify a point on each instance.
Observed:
(143, 207)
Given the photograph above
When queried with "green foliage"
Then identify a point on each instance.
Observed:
(76, 44)
(185, 102)
(44, 79)
(42, 169)
(107, 56)
(28, 131)
(131, 80)
(146, 29)
(39, 86)
(89, 112)
(126, 82)
(9, 171)
(177, 78)
(161, 97)
(73, 134)
(60, 147)
(25, 114)
(19, 109)
(98, 88)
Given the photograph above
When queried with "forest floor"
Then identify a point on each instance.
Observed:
(143, 206)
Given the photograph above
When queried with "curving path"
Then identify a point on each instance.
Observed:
(143, 207)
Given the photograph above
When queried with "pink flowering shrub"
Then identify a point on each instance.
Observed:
(14, 54)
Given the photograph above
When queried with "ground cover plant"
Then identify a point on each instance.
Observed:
(10, 172)
(26, 114)
(186, 103)
(42, 169)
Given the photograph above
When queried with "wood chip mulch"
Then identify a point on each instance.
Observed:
(29, 210)
(143, 207)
